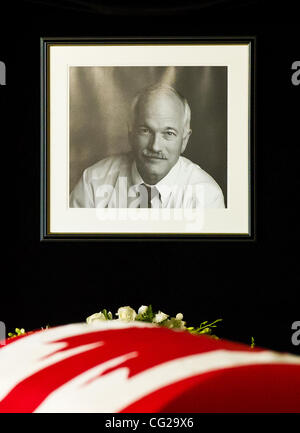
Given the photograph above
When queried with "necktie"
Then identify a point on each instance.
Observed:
(147, 193)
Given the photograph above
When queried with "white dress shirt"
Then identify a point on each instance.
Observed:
(114, 182)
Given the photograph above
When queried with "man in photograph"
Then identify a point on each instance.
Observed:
(153, 174)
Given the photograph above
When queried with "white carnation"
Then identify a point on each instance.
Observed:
(95, 318)
(160, 317)
(179, 316)
(142, 309)
(126, 313)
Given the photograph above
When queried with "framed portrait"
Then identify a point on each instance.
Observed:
(147, 139)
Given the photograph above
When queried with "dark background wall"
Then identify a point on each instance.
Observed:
(253, 286)
(100, 99)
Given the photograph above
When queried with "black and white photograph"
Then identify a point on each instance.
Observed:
(151, 130)
(148, 138)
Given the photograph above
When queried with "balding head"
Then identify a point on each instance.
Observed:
(155, 92)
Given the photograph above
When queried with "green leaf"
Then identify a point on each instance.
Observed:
(150, 313)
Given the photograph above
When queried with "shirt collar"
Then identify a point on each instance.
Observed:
(165, 185)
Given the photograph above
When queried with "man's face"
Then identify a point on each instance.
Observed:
(157, 135)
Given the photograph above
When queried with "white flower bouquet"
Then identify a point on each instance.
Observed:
(146, 314)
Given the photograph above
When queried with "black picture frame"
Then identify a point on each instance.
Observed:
(47, 235)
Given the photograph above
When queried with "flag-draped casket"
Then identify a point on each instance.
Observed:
(119, 367)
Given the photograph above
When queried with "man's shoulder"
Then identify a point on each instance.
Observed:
(110, 165)
(194, 173)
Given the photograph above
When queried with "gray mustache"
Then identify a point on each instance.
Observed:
(156, 155)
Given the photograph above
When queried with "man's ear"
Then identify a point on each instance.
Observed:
(185, 140)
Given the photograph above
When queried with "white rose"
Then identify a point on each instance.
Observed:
(179, 316)
(95, 318)
(126, 313)
(159, 317)
(142, 309)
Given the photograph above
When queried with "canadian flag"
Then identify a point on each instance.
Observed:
(114, 367)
